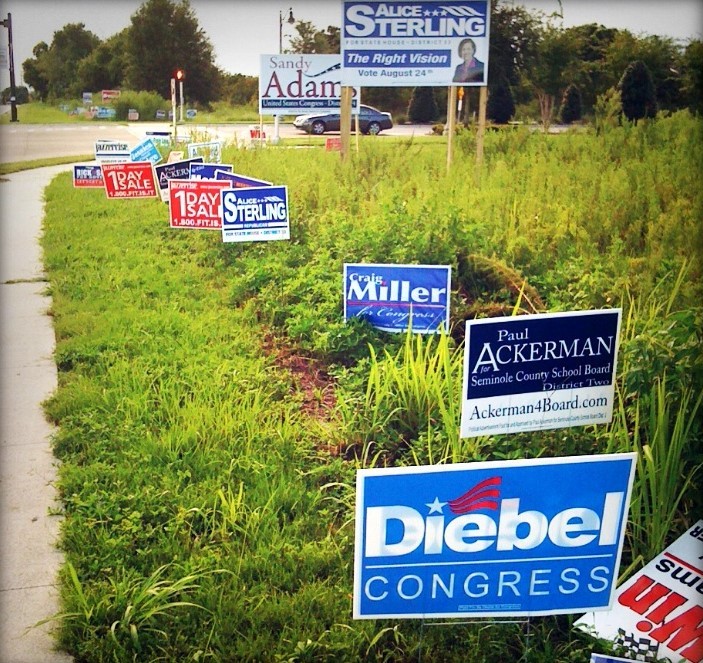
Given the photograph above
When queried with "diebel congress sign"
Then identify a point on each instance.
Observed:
(513, 538)
(415, 43)
(538, 372)
(395, 298)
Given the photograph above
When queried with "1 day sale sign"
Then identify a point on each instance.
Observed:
(539, 372)
(195, 204)
(129, 180)
(512, 538)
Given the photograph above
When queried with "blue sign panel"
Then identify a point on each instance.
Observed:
(420, 43)
(146, 151)
(496, 539)
(536, 372)
(207, 171)
(396, 298)
(252, 214)
(239, 181)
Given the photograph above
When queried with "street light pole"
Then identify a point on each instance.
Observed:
(7, 23)
(290, 20)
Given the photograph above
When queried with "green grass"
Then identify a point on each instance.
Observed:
(17, 166)
(208, 516)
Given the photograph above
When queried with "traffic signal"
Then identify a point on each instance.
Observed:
(180, 74)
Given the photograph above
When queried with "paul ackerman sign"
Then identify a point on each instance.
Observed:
(513, 538)
(415, 43)
(538, 372)
(396, 298)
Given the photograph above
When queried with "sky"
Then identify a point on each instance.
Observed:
(241, 30)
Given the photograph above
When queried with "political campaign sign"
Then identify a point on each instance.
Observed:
(300, 83)
(87, 176)
(211, 151)
(207, 171)
(421, 43)
(173, 170)
(538, 372)
(396, 298)
(658, 613)
(195, 204)
(490, 539)
(255, 214)
(146, 151)
(603, 658)
(237, 181)
(160, 138)
(112, 151)
(129, 180)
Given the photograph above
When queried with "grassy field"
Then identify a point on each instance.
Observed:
(213, 406)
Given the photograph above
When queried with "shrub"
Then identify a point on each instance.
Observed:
(500, 107)
(571, 105)
(423, 105)
(637, 93)
(147, 103)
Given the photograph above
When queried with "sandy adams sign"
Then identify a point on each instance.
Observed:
(298, 84)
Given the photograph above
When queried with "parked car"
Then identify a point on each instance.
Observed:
(371, 121)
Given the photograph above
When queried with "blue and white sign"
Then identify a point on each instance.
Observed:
(146, 151)
(211, 151)
(301, 83)
(421, 43)
(239, 181)
(538, 372)
(160, 138)
(255, 214)
(496, 539)
(207, 171)
(111, 151)
(176, 170)
(395, 298)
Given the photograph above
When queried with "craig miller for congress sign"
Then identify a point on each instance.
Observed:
(538, 372)
(510, 538)
(396, 298)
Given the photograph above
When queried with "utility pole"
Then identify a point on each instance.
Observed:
(7, 23)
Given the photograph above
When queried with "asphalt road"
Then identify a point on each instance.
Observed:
(26, 142)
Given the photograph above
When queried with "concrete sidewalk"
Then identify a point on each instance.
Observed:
(29, 559)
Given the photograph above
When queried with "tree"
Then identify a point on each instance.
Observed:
(105, 67)
(571, 105)
(164, 35)
(692, 76)
(52, 71)
(637, 92)
(34, 73)
(313, 41)
(423, 105)
(660, 55)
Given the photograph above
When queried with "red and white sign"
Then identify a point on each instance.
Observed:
(109, 95)
(659, 611)
(196, 204)
(135, 179)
